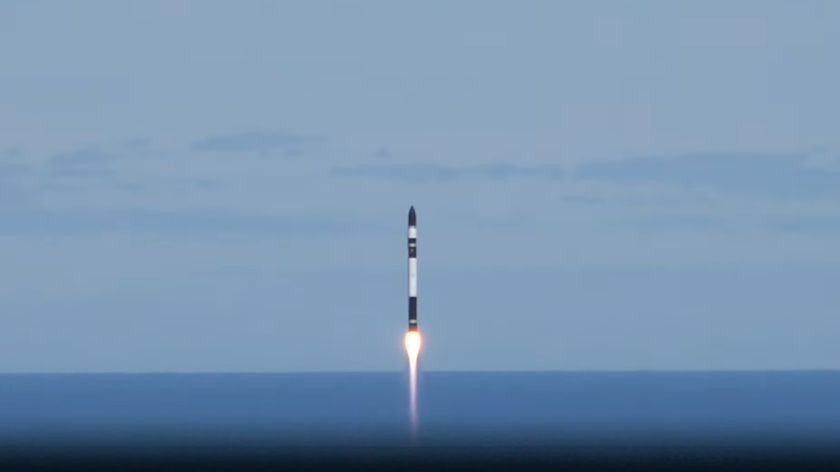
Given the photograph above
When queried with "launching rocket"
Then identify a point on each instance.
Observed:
(412, 270)
(413, 340)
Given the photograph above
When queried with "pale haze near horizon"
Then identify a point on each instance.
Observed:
(223, 186)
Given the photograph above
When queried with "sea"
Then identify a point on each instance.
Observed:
(469, 416)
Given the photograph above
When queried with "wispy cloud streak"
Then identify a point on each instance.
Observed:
(422, 172)
(205, 222)
(783, 176)
(88, 162)
(259, 142)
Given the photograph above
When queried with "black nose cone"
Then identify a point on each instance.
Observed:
(412, 217)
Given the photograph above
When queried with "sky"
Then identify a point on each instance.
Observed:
(608, 185)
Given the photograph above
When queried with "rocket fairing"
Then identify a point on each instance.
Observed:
(412, 270)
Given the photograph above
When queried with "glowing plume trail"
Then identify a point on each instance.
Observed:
(413, 342)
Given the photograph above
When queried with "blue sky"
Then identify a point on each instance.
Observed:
(200, 186)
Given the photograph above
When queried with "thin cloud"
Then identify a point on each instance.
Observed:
(12, 168)
(808, 224)
(421, 172)
(259, 142)
(676, 222)
(12, 152)
(814, 224)
(194, 222)
(784, 176)
(138, 143)
(81, 163)
(408, 172)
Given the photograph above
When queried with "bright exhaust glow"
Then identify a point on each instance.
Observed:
(413, 342)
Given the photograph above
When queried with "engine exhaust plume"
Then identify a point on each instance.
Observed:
(413, 343)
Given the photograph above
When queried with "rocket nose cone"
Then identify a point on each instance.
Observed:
(412, 217)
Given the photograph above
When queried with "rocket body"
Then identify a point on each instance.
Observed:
(412, 270)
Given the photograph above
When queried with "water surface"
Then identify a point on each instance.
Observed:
(591, 412)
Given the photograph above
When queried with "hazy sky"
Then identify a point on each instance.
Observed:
(196, 185)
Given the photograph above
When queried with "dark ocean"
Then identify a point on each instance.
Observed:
(585, 416)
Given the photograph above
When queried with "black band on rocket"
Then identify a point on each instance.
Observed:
(412, 309)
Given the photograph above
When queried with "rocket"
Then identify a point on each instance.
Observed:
(412, 270)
